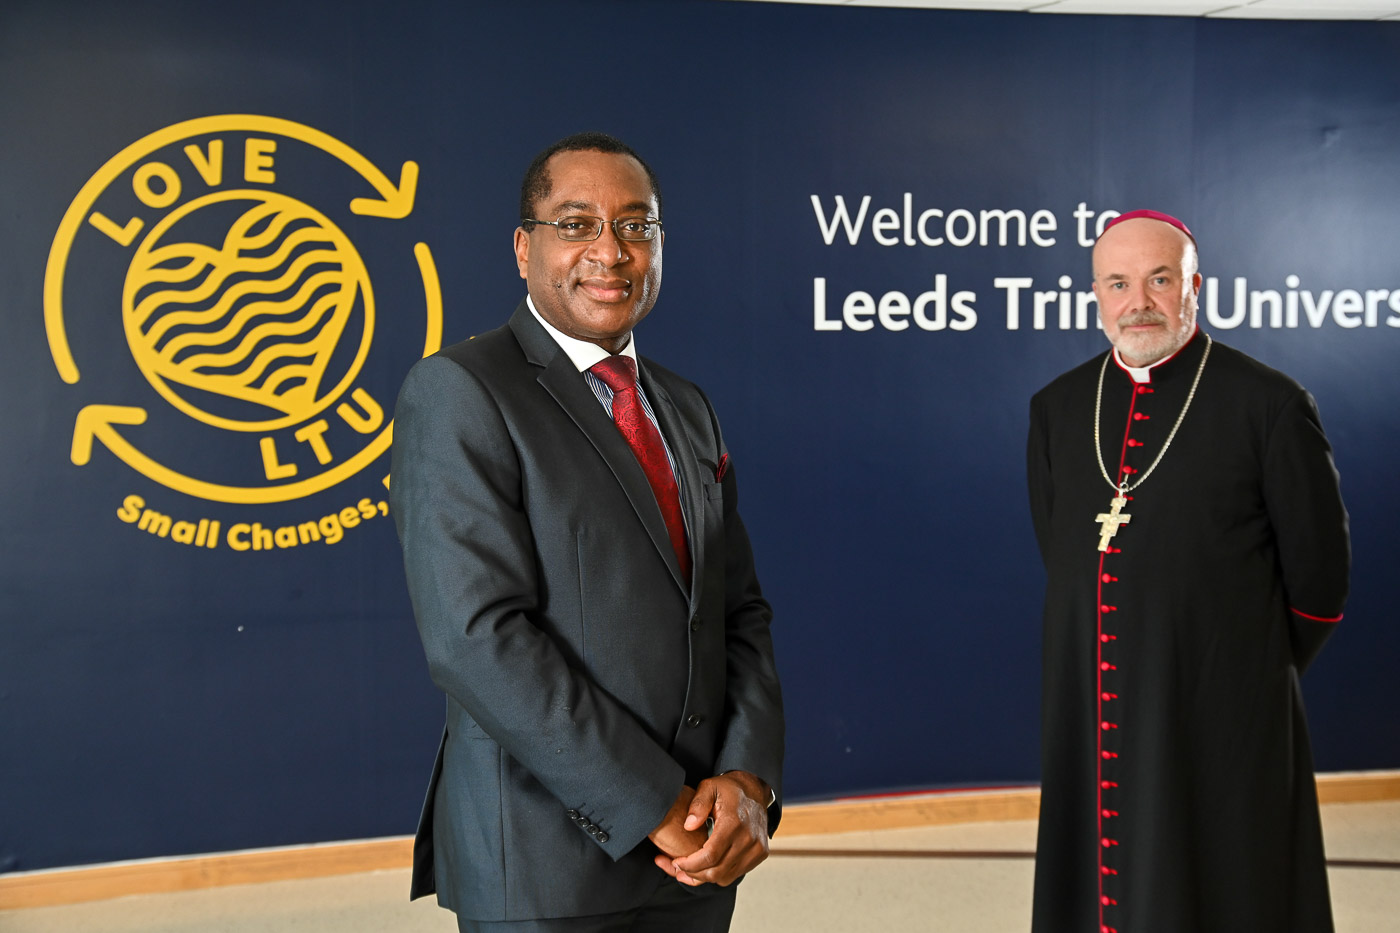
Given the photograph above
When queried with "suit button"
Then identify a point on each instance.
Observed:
(695, 623)
(602, 837)
(694, 720)
(571, 814)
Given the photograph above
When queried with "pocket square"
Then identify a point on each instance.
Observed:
(723, 467)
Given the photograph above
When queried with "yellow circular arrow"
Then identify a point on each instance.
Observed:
(97, 422)
(394, 202)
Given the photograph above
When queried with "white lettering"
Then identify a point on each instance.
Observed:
(1013, 299)
(1374, 296)
(967, 218)
(840, 217)
(884, 219)
(858, 307)
(1257, 302)
(1042, 222)
(1002, 217)
(938, 298)
(819, 318)
(1345, 306)
(923, 228)
(962, 307)
(1082, 215)
(860, 310)
(894, 307)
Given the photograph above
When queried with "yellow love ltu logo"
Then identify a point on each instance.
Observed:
(253, 321)
(248, 311)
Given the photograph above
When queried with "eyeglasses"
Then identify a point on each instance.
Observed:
(578, 227)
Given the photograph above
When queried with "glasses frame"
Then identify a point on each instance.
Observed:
(558, 231)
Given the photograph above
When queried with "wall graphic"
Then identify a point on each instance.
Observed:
(248, 311)
(226, 235)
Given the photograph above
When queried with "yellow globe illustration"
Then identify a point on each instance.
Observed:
(236, 306)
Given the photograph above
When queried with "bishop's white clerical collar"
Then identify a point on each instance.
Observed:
(1144, 373)
(582, 354)
(1139, 373)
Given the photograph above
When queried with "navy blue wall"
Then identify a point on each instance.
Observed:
(159, 698)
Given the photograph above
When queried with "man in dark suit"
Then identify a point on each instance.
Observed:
(585, 592)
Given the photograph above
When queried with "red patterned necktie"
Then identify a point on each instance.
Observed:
(619, 373)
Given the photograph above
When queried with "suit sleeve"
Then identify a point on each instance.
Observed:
(1304, 501)
(472, 575)
(754, 727)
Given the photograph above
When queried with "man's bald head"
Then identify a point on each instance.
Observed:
(1146, 280)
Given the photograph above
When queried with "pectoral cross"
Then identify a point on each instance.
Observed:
(1111, 519)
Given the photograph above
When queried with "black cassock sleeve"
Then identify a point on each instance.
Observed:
(1303, 496)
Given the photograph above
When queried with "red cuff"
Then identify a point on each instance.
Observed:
(1314, 618)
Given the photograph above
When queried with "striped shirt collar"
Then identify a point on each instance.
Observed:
(583, 354)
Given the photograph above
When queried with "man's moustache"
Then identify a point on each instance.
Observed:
(1142, 317)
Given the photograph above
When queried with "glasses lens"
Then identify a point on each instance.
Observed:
(579, 228)
(636, 228)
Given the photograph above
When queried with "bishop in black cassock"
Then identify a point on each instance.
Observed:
(1178, 790)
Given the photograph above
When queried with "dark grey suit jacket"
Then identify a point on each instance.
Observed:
(584, 683)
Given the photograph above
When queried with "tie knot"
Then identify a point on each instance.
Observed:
(617, 372)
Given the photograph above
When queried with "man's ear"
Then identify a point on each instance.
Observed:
(522, 251)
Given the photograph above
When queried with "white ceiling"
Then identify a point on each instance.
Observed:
(1215, 9)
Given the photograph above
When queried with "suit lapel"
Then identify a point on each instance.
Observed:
(566, 385)
(691, 483)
